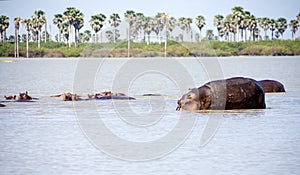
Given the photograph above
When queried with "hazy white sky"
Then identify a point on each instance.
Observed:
(187, 8)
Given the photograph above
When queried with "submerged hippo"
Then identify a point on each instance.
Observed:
(24, 96)
(10, 97)
(2, 105)
(109, 95)
(233, 93)
(68, 96)
(272, 86)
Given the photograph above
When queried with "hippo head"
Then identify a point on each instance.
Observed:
(195, 99)
(189, 101)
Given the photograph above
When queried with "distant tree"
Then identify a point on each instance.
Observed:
(114, 21)
(200, 22)
(4, 24)
(27, 25)
(39, 20)
(264, 23)
(272, 27)
(237, 17)
(17, 27)
(218, 19)
(148, 27)
(294, 24)
(112, 36)
(97, 23)
(209, 34)
(58, 20)
(281, 26)
(129, 17)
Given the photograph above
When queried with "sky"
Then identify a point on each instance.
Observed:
(179, 8)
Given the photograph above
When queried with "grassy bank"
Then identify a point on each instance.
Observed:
(174, 49)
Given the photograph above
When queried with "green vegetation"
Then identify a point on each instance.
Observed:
(174, 49)
(238, 33)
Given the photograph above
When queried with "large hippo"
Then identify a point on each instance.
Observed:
(233, 93)
(272, 86)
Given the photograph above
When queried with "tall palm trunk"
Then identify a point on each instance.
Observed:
(27, 43)
(16, 44)
(115, 35)
(128, 38)
(45, 32)
(76, 37)
(70, 32)
(39, 38)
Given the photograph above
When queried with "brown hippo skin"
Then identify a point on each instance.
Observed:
(272, 86)
(232, 93)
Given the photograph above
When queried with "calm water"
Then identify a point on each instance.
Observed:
(146, 136)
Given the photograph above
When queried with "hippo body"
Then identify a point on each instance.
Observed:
(115, 98)
(24, 97)
(272, 86)
(233, 93)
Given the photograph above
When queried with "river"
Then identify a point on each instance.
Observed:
(146, 135)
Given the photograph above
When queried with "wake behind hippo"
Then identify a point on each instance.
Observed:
(232, 93)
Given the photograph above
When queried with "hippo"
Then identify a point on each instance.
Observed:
(272, 86)
(107, 94)
(9, 97)
(24, 96)
(232, 93)
(151, 95)
(2, 105)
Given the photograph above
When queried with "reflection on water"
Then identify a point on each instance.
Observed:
(45, 137)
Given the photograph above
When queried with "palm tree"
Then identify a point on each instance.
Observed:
(252, 26)
(272, 27)
(39, 21)
(86, 36)
(58, 20)
(165, 18)
(227, 27)
(129, 17)
(97, 22)
(74, 18)
(27, 25)
(182, 25)
(148, 27)
(218, 23)
(244, 24)
(78, 23)
(17, 27)
(281, 26)
(114, 21)
(65, 31)
(209, 34)
(264, 23)
(200, 22)
(294, 24)
(237, 17)
(4, 24)
(172, 25)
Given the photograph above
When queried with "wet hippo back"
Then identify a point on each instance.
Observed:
(272, 86)
(244, 93)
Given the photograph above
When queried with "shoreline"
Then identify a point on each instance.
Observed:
(155, 50)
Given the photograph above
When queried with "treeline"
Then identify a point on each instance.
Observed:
(240, 25)
(141, 49)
